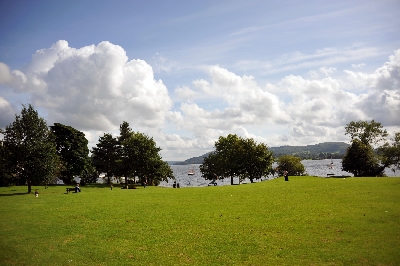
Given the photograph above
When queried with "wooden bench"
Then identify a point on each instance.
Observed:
(70, 189)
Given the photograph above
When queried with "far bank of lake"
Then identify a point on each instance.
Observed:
(313, 168)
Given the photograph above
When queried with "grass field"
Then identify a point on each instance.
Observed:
(306, 221)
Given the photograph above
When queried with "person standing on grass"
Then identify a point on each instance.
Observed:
(111, 186)
(286, 174)
(36, 193)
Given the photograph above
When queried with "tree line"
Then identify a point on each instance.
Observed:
(369, 153)
(326, 150)
(235, 156)
(32, 153)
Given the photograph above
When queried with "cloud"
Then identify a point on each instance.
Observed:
(161, 63)
(93, 87)
(7, 113)
(386, 77)
(6, 77)
(312, 110)
(383, 106)
(358, 65)
(185, 93)
(327, 71)
(321, 57)
(248, 102)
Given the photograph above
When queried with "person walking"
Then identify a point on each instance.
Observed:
(286, 174)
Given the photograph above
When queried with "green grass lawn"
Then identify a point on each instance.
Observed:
(306, 221)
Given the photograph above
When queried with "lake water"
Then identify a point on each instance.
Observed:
(313, 168)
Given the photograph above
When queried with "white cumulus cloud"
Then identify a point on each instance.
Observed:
(94, 87)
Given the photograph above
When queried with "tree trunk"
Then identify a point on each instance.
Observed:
(29, 186)
(231, 180)
(108, 179)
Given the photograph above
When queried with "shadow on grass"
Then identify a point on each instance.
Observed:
(14, 194)
(100, 185)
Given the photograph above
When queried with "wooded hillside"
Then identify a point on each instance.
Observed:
(326, 150)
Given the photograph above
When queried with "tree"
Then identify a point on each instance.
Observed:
(212, 167)
(389, 153)
(235, 156)
(73, 151)
(89, 174)
(123, 164)
(256, 160)
(228, 150)
(106, 155)
(369, 133)
(141, 158)
(31, 152)
(361, 158)
(292, 164)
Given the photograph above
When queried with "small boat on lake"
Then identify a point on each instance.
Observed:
(191, 172)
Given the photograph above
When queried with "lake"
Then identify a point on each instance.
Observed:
(313, 168)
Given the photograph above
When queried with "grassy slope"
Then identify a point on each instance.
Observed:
(307, 221)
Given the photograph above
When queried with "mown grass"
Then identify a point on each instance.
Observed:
(306, 221)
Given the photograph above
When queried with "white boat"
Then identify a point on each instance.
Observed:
(191, 172)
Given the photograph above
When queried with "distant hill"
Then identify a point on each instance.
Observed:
(326, 150)
(194, 160)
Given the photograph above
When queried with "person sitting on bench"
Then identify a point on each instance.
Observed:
(77, 188)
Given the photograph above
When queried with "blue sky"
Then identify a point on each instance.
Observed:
(187, 72)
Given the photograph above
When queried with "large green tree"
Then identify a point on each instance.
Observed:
(31, 152)
(256, 159)
(367, 156)
(292, 164)
(361, 160)
(73, 151)
(141, 158)
(237, 157)
(123, 164)
(131, 154)
(106, 155)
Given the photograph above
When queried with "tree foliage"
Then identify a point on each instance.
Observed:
(141, 157)
(389, 153)
(72, 149)
(31, 156)
(361, 159)
(237, 157)
(292, 164)
(369, 133)
(106, 155)
(131, 154)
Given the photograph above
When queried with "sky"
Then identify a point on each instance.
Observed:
(187, 72)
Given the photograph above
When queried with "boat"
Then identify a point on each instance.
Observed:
(191, 172)
(331, 166)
